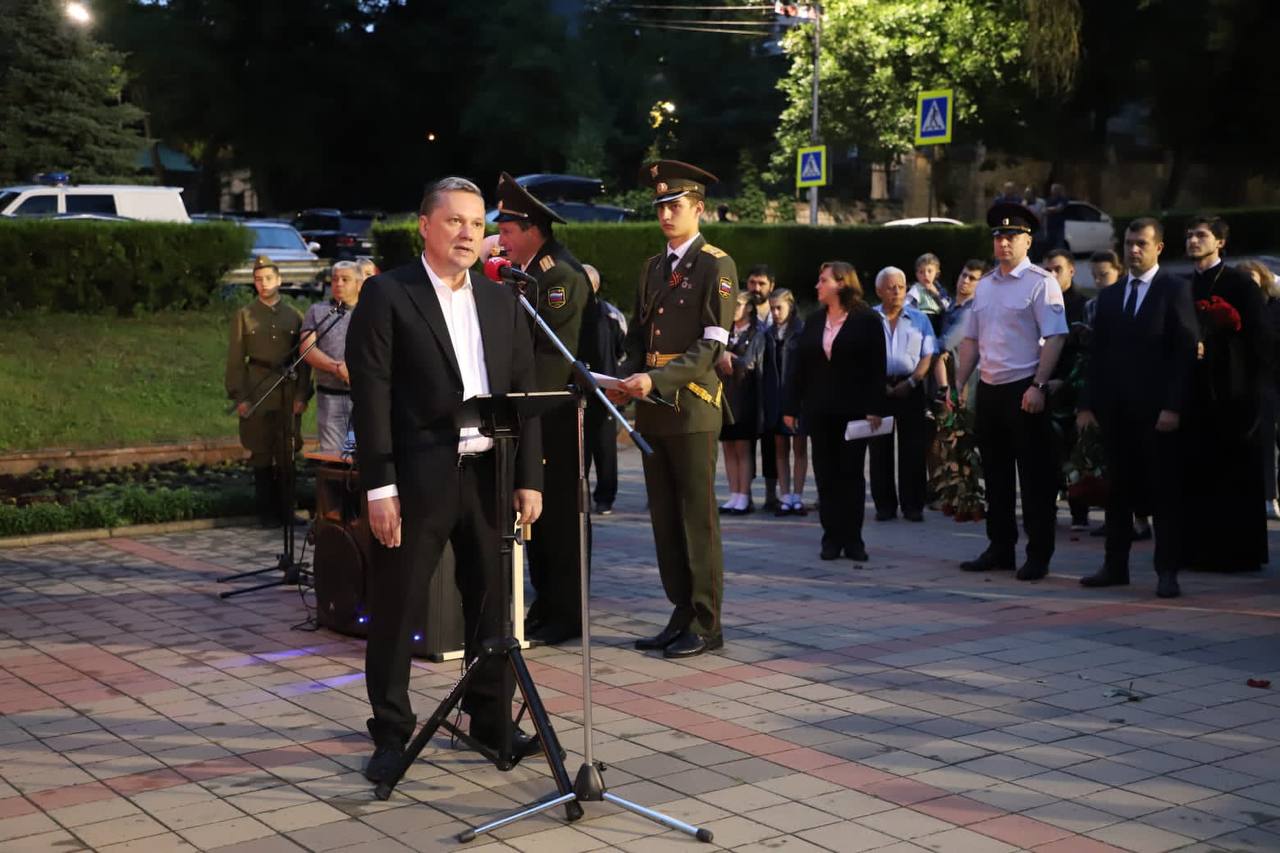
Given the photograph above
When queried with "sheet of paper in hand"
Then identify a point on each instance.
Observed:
(862, 429)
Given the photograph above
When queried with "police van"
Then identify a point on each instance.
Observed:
(54, 195)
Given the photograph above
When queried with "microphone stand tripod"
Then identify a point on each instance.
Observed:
(291, 571)
(588, 786)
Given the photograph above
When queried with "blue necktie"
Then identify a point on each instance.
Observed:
(1131, 303)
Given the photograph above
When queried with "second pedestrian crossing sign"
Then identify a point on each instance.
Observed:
(811, 166)
(934, 117)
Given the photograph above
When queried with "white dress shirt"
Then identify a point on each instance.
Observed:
(1142, 283)
(463, 322)
(1012, 312)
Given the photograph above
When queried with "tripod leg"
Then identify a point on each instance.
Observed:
(537, 808)
(542, 724)
(659, 817)
(428, 731)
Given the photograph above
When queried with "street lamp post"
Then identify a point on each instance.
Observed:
(813, 130)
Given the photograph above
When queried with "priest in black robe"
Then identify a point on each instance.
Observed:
(1225, 512)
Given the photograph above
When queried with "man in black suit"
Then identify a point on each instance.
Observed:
(427, 336)
(1137, 387)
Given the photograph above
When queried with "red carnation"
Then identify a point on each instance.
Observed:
(1218, 314)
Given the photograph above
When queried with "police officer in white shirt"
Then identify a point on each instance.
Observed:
(1016, 330)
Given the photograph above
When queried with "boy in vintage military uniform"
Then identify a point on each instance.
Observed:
(684, 307)
(561, 298)
(264, 337)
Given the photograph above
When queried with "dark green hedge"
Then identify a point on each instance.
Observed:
(87, 266)
(132, 505)
(794, 252)
(1253, 229)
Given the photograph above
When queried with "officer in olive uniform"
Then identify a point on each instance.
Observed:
(264, 338)
(684, 308)
(561, 297)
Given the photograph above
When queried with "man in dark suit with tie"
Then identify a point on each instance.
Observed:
(427, 336)
(1137, 387)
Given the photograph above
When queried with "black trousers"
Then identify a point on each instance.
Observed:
(911, 431)
(768, 456)
(465, 516)
(552, 553)
(1144, 473)
(842, 485)
(602, 450)
(1017, 447)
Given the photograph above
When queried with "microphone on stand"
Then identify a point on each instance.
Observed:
(501, 270)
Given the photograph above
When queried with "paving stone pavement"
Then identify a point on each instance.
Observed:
(901, 706)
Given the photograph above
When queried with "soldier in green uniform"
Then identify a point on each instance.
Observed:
(561, 297)
(684, 308)
(264, 337)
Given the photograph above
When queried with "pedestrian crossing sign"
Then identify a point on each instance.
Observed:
(811, 166)
(934, 117)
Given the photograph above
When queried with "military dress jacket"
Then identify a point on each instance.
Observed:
(264, 338)
(678, 331)
(562, 297)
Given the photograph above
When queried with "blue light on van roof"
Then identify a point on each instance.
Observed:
(53, 179)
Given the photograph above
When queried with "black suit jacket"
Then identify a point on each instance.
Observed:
(406, 387)
(848, 386)
(1142, 365)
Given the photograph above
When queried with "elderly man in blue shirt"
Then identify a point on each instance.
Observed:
(910, 346)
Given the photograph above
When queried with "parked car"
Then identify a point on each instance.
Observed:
(1088, 229)
(302, 271)
(342, 236)
(913, 221)
(572, 197)
(158, 204)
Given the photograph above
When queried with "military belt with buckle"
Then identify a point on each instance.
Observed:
(660, 359)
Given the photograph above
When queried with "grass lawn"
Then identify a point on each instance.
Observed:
(71, 380)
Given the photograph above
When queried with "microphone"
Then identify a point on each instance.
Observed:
(500, 269)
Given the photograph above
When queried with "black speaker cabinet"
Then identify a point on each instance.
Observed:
(342, 563)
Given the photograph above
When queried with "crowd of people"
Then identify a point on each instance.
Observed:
(1175, 396)
(1172, 378)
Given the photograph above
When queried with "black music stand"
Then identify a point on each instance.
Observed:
(499, 417)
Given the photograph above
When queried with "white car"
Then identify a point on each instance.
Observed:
(156, 204)
(1088, 229)
(913, 221)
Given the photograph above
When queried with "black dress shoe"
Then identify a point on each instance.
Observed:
(1167, 586)
(604, 508)
(661, 641)
(689, 644)
(1032, 571)
(857, 553)
(829, 553)
(384, 763)
(522, 745)
(886, 516)
(913, 516)
(987, 562)
(553, 634)
(1106, 577)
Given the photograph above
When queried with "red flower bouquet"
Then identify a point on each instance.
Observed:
(1218, 315)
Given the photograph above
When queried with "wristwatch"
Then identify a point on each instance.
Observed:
(911, 381)
(1042, 387)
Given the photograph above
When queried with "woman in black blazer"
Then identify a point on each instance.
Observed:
(838, 375)
(791, 447)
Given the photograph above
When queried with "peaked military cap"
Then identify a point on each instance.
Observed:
(1009, 217)
(517, 204)
(672, 179)
(262, 262)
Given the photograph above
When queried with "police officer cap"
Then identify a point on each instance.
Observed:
(672, 179)
(262, 262)
(517, 204)
(1009, 217)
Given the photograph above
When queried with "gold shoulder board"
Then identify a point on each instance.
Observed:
(546, 263)
(713, 251)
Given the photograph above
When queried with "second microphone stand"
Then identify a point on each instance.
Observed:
(589, 784)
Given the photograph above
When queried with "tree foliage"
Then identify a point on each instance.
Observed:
(61, 104)
(878, 54)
